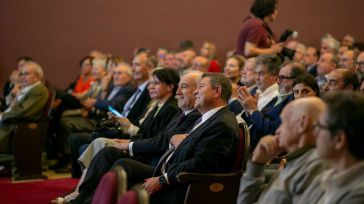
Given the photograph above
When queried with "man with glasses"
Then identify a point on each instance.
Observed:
(327, 63)
(265, 121)
(200, 63)
(28, 103)
(339, 141)
(341, 79)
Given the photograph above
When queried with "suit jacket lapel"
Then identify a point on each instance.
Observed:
(202, 127)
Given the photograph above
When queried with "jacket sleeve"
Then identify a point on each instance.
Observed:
(31, 106)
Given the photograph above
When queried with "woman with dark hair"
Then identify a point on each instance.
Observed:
(255, 36)
(305, 85)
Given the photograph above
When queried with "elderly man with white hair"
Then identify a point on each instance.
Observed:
(28, 103)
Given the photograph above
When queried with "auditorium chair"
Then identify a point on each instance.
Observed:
(218, 188)
(28, 142)
(112, 185)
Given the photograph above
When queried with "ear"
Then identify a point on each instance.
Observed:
(340, 141)
(218, 91)
(170, 87)
(302, 124)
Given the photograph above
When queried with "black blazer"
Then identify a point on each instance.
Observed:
(157, 145)
(154, 126)
(210, 148)
(139, 107)
(119, 100)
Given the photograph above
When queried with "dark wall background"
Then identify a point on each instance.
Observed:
(57, 34)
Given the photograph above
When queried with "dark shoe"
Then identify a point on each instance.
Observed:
(65, 169)
(5, 171)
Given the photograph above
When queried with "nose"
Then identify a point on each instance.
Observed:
(178, 92)
(195, 92)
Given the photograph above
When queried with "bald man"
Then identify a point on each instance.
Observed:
(296, 137)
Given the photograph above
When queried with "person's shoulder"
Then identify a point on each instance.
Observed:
(252, 22)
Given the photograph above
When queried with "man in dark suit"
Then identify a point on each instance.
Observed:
(29, 102)
(210, 146)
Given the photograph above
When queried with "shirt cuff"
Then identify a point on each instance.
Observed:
(131, 149)
(166, 177)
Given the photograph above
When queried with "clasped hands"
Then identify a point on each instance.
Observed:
(248, 101)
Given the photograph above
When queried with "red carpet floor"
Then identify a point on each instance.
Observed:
(37, 192)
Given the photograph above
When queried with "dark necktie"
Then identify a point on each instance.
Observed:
(130, 103)
(162, 163)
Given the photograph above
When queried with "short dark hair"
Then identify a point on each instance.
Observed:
(273, 63)
(186, 45)
(308, 80)
(167, 76)
(87, 58)
(263, 8)
(219, 79)
(346, 114)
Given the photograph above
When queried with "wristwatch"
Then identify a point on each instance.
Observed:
(162, 180)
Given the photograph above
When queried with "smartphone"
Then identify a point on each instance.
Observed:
(113, 110)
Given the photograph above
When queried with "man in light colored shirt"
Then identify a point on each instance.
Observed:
(30, 102)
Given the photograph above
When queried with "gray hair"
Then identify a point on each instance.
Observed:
(37, 69)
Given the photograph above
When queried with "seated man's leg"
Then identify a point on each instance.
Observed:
(5, 138)
(75, 141)
(136, 171)
(100, 164)
(93, 148)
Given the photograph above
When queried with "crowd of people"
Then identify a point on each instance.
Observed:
(179, 111)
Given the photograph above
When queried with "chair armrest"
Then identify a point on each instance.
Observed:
(187, 177)
(25, 120)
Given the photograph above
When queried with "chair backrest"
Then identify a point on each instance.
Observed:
(112, 186)
(242, 154)
(106, 192)
(48, 108)
(137, 195)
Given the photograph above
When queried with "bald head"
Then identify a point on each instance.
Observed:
(298, 119)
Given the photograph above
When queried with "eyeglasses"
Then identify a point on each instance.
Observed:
(332, 83)
(360, 64)
(24, 74)
(282, 77)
